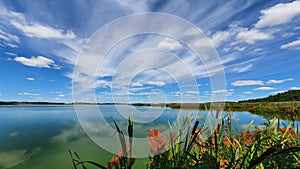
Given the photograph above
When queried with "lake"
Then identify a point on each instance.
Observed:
(35, 137)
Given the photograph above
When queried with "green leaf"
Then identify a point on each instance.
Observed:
(249, 126)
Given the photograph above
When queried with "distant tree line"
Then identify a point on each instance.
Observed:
(28, 103)
(291, 95)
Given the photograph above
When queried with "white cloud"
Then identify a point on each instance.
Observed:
(170, 44)
(264, 88)
(220, 37)
(219, 91)
(242, 68)
(192, 92)
(297, 28)
(278, 81)
(280, 91)
(11, 54)
(258, 50)
(292, 44)
(138, 88)
(47, 38)
(30, 78)
(56, 92)
(8, 39)
(39, 61)
(41, 31)
(247, 92)
(28, 94)
(136, 6)
(137, 84)
(247, 82)
(223, 91)
(289, 34)
(32, 28)
(141, 93)
(163, 67)
(279, 14)
(253, 35)
(202, 42)
(295, 88)
(61, 95)
(240, 48)
(156, 83)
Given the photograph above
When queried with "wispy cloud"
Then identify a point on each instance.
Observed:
(279, 14)
(137, 84)
(170, 44)
(294, 44)
(243, 44)
(280, 91)
(38, 61)
(8, 39)
(253, 35)
(11, 54)
(223, 91)
(264, 88)
(190, 92)
(30, 78)
(59, 42)
(295, 88)
(28, 94)
(242, 68)
(278, 81)
(37, 30)
(220, 37)
(247, 82)
(289, 34)
(156, 83)
(241, 49)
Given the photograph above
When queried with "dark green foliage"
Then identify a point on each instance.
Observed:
(291, 95)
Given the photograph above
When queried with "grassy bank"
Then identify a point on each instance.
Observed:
(283, 110)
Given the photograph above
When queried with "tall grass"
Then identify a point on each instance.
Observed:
(191, 144)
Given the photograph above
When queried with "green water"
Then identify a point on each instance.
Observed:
(39, 137)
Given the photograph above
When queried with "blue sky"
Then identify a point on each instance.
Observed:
(258, 43)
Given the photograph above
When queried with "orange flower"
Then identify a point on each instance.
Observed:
(113, 162)
(226, 140)
(114, 159)
(157, 141)
(156, 132)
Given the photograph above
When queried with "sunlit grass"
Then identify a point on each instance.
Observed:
(204, 147)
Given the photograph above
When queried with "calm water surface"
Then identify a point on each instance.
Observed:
(35, 137)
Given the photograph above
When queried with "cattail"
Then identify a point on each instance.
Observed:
(218, 128)
(228, 121)
(293, 114)
(130, 133)
(195, 127)
(130, 128)
(217, 114)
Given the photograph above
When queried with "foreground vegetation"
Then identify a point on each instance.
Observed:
(221, 147)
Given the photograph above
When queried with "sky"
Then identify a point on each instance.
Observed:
(50, 50)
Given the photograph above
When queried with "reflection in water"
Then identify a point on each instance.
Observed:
(13, 158)
(34, 137)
